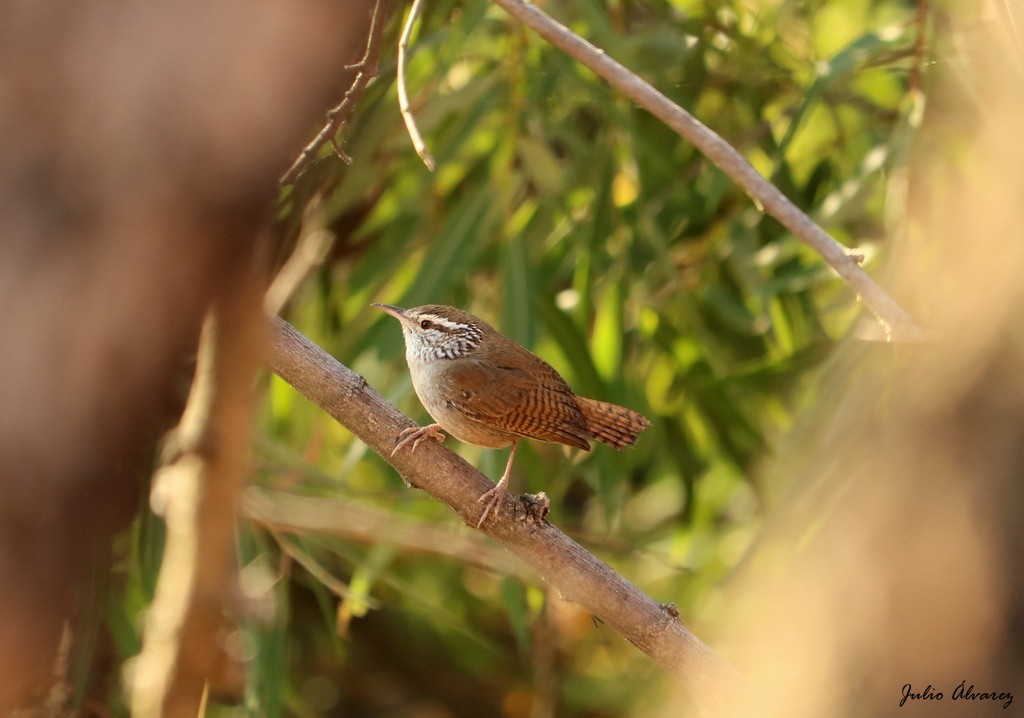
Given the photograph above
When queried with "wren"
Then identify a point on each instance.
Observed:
(487, 390)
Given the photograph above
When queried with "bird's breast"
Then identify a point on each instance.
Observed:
(433, 386)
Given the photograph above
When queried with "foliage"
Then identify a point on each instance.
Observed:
(595, 236)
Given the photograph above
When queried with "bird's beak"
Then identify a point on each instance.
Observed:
(397, 312)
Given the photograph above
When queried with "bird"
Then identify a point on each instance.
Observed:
(487, 390)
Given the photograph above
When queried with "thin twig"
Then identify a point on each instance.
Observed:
(403, 95)
(336, 116)
(898, 323)
(335, 585)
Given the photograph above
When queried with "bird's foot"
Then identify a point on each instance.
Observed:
(415, 434)
(492, 503)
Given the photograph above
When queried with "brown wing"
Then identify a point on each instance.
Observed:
(535, 404)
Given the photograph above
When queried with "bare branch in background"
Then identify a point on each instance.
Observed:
(366, 70)
(898, 323)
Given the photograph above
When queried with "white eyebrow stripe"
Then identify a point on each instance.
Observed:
(446, 323)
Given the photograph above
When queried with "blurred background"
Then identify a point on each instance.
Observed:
(587, 231)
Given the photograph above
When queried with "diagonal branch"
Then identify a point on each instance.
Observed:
(573, 571)
(897, 322)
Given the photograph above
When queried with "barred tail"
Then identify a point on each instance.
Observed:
(614, 425)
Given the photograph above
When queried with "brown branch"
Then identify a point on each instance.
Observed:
(197, 492)
(898, 323)
(366, 70)
(566, 566)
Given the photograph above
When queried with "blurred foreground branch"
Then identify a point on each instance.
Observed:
(899, 325)
(116, 240)
(184, 650)
(573, 571)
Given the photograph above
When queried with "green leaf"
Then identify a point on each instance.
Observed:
(514, 598)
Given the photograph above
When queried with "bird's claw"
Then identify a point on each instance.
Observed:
(415, 434)
(492, 503)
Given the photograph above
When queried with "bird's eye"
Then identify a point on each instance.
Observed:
(426, 324)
